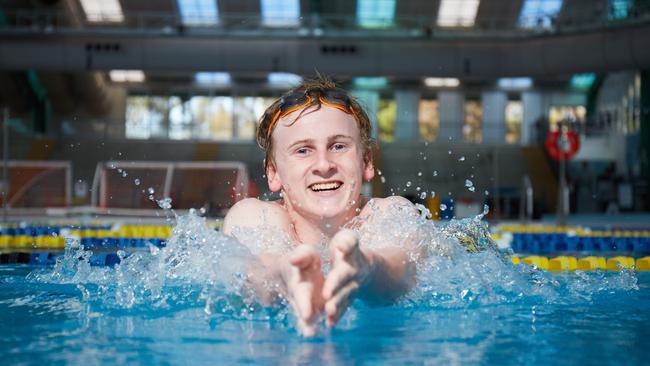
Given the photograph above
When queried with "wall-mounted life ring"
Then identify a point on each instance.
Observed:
(559, 149)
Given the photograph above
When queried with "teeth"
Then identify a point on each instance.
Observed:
(325, 186)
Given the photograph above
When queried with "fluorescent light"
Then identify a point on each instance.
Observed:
(212, 78)
(283, 79)
(375, 13)
(515, 83)
(129, 76)
(582, 81)
(457, 13)
(199, 12)
(441, 82)
(539, 13)
(102, 10)
(280, 13)
(370, 82)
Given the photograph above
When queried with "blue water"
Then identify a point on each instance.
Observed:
(52, 324)
(183, 304)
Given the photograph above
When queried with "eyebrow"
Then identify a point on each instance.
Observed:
(311, 141)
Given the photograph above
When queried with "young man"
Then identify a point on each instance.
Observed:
(317, 140)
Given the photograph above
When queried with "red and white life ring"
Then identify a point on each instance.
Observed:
(559, 149)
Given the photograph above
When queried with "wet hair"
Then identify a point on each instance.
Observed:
(312, 93)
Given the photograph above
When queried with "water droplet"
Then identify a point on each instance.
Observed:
(418, 189)
(486, 209)
(472, 189)
(408, 184)
(443, 207)
(486, 192)
(151, 190)
(151, 197)
(423, 195)
(449, 152)
(378, 171)
(165, 203)
(462, 158)
(419, 174)
(383, 179)
(136, 181)
(435, 173)
(468, 183)
(433, 194)
(124, 173)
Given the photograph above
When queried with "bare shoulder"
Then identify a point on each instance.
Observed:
(252, 212)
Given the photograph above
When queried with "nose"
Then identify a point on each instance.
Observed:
(323, 164)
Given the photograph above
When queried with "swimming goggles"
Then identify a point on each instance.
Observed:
(292, 103)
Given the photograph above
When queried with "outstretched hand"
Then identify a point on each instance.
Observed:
(304, 284)
(351, 268)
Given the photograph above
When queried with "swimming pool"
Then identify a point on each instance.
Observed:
(167, 306)
(52, 323)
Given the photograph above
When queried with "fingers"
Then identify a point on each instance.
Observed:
(337, 305)
(344, 243)
(340, 276)
(304, 257)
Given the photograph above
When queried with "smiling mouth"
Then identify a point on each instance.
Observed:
(323, 187)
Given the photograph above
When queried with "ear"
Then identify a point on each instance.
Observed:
(368, 168)
(273, 178)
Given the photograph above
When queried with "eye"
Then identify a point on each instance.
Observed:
(338, 146)
(302, 151)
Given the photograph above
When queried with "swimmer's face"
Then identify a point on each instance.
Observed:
(319, 162)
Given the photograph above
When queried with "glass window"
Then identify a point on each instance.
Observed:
(539, 13)
(212, 118)
(180, 119)
(375, 13)
(574, 115)
(146, 117)
(386, 116)
(514, 119)
(249, 110)
(472, 123)
(198, 12)
(280, 13)
(457, 13)
(429, 119)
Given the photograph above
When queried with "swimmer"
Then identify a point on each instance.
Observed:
(317, 140)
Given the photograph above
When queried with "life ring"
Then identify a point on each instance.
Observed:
(566, 152)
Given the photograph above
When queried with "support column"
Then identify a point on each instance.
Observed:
(451, 115)
(407, 128)
(533, 111)
(370, 102)
(493, 124)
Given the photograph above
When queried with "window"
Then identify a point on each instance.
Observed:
(472, 123)
(514, 119)
(539, 13)
(195, 118)
(280, 13)
(102, 11)
(429, 119)
(457, 13)
(375, 13)
(386, 116)
(618, 9)
(574, 115)
(198, 12)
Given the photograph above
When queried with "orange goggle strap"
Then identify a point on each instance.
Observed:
(279, 113)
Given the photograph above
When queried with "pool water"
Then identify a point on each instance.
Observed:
(182, 304)
(51, 323)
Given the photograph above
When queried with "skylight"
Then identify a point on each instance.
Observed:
(618, 9)
(212, 78)
(539, 13)
(457, 13)
(283, 79)
(375, 13)
(515, 83)
(102, 11)
(370, 82)
(127, 76)
(441, 82)
(582, 81)
(199, 12)
(280, 13)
